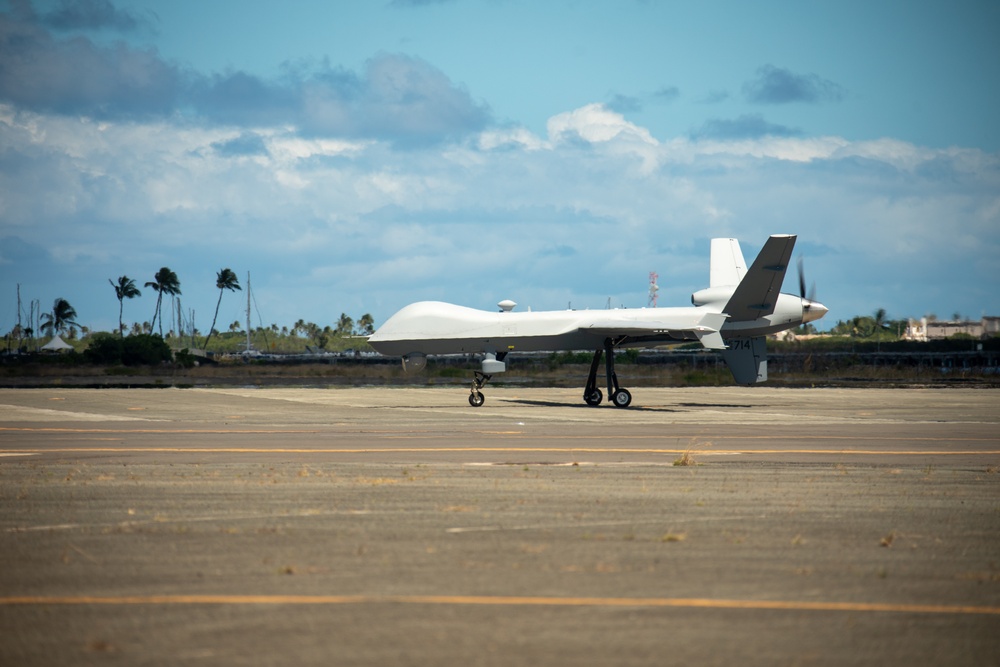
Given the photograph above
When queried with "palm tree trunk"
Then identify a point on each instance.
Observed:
(212, 329)
(156, 313)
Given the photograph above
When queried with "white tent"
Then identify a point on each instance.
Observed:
(57, 344)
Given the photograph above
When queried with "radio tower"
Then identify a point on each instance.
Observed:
(654, 289)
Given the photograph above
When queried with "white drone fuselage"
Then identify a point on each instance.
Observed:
(434, 327)
(733, 314)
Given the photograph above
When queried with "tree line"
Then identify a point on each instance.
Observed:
(62, 319)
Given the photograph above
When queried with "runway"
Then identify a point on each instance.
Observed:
(401, 526)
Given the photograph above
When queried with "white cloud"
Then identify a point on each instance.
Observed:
(596, 124)
(286, 147)
(778, 148)
(331, 225)
(511, 137)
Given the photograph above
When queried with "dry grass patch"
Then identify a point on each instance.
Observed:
(459, 508)
(376, 481)
(685, 459)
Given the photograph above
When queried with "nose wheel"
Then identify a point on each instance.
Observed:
(476, 397)
(620, 398)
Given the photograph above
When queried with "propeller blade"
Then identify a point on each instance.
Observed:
(811, 308)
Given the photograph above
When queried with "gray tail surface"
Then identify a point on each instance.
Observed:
(747, 359)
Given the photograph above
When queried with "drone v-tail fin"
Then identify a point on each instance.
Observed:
(747, 359)
(757, 294)
(726, 266)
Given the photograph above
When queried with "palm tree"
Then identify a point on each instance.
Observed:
(879, 325)
(125, 289)
(165, 282)
(367, 324)
(880, 319)
(224, 280)
(345, 326)
(63, 316)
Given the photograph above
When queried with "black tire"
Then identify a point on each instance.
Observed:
(622, 398)
(594, 398)
(476, 399)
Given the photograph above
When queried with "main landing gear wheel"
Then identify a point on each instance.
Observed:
(476, 399)
(593, 397)
(622, 398)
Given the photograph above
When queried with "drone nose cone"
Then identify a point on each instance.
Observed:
(812, 311)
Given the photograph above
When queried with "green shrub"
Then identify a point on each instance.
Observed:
(104, 348)
(184, 358)
(145, 349)
(137, 350)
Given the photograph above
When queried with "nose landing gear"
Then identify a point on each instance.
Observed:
(620, 398)
(476, 397)
(493, 362)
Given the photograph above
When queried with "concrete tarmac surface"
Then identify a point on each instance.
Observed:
(400, 526)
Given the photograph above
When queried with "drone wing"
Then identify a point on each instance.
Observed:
(705, 328)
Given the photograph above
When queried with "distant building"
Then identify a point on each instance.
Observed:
(57, 344)
(790, 336)
(924, 330)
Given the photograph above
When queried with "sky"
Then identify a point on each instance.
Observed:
(356, 156)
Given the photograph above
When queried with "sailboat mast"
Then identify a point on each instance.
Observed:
(248, 311)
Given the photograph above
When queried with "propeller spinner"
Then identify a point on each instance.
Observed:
(812, 310)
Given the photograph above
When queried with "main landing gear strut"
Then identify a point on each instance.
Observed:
(620, 398)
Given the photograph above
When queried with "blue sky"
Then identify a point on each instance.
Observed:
(357, 156)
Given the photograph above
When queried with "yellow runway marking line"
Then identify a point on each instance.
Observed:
(428, 435)
(160, 431)
(500, 601)
(469, 450)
